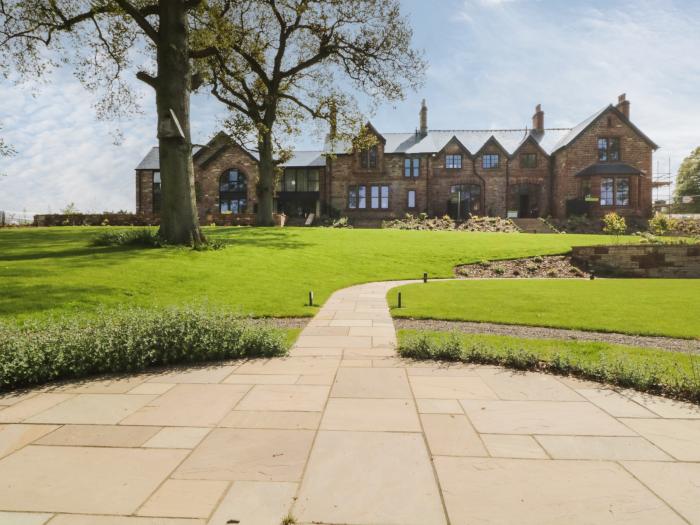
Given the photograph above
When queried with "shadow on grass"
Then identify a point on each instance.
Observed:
(20, 299)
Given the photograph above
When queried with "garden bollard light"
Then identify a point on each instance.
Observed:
(399, 299)
(311, 298)
(592, 275)
(425, 277)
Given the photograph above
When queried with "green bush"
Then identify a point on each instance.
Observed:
(661, 224)
(131, 237)
(127, 340)
(613, 224)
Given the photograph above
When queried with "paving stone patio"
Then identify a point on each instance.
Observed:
(344, 432)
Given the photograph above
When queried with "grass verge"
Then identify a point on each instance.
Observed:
(672, 374)
(129, 340)
(660, 307)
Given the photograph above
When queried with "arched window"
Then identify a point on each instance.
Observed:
(232, 192)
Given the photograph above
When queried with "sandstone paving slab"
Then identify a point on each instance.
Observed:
(182, 498)
(299, 398)
(23, 518)
(382, 383)
(83, 519)
(99, 436)
(191, 405)
(15, 436)
(615, 403)
(12, 398)
(442, 371)
(331, 341)
(262, 379)
(467, 387)
(255, 503)
(669, 408)
(95, 409)
(30, 406)
(152, 388)
(542, 417)
(198, 374)
(325, 379)
(439, 406)
(290, 365)
(677, 483)
(83, 479)
(248, 454)
(286, 420)
(369, 478)
(328, 330)
(119, 385)
(678, 437)
(512, 385)
(531, 491)
(397, 415)
(356, 363)
(350, 322)
(316, 352)
(374, 331)
(601, 447)
(177, 437)
(352, 353)
(507, 446)
(451, 435)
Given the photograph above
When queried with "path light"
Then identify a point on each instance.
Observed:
(311, 297)
(592, 275)
(425, 277)
(399, 299)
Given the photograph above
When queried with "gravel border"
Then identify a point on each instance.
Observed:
(535, 332)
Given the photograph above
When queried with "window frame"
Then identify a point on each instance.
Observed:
(605, 154)
(156, 192)
(525, 164)
(490, 156)
(411, 167)
(239, 193)
(368, 157)
(450, 161)
(359, 192)
(411, 193)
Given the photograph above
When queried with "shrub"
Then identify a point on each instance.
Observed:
(342, 222)
(132, 237)
(613, 224)
(661, 224)
(127, 340)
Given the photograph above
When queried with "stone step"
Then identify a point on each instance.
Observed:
(533, 226)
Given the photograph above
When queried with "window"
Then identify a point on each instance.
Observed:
(156, 192)
(606, 192)
(528, 160)
(609, 149)
(453, 162)
(232, 192)
(357, 197)
(368, 157)
(295, 180)
(411, 198)
(379, 197)
(464, 200)
(411, 167)
(622, 192)
(489, 161)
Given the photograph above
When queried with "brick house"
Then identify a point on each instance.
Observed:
(603, 164)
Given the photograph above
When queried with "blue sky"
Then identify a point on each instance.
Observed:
(491, 62)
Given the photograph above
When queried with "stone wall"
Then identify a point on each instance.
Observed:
(641, 260)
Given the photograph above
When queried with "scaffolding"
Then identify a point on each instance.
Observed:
(662, 187)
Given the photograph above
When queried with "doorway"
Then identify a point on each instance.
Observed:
(524, 206)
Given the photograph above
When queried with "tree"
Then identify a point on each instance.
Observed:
(103, 39)
(6, 150)
(283, 62)
(688, 181)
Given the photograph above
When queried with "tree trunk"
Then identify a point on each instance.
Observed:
(179, 223)
(266, 181)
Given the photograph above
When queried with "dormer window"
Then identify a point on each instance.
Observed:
(453, 162)
(489, 161)
(368, 157)
(528, 160)
(609, 149)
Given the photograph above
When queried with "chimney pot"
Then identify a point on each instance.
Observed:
(538, 118)
(423, 119)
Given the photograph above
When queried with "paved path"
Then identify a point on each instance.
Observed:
(343, 432)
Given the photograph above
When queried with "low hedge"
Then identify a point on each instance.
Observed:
(656, 376)
(128, 340)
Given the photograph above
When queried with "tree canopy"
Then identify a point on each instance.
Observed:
(688, 181)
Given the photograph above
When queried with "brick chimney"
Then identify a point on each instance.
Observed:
(538, 118)
(623, 105)
(423, 119)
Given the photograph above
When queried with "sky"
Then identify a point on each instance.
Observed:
(490, 63)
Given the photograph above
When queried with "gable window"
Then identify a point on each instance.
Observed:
(453, 162)
(232, 192)
(489, 161)
(528, 160)
(157, 195)
(411, 167)
(609, 149)
(379, 197)
(411, 198)
(357, 197)
(368, 157)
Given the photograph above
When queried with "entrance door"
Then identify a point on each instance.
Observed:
(524, 206)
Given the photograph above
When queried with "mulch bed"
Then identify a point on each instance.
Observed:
(552, 266)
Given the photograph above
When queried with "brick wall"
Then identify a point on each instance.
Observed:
(642, 260)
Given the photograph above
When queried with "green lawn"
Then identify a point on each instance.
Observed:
(673, 373)
(669, 307)
(263, 271)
